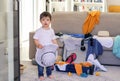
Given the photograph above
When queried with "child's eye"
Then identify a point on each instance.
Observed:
(48, 19)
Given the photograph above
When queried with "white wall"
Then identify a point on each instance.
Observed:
(29, 21)
(29, 16)
(26, 18)
(40, 8)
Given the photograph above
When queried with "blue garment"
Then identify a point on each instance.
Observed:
(77, 35)
(116, 46)
(41, 70)
(95, 49)
(69, 68)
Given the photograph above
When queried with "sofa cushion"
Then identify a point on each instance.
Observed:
(68, 22)
(114, 8)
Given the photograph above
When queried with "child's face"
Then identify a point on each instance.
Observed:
(45, 21)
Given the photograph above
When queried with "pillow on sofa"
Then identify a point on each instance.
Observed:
(114, 8)
(103, 33)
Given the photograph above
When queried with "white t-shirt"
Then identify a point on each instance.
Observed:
(44, 36)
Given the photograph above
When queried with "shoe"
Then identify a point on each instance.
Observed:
(97, 64)
(71, 58)
(103, 68)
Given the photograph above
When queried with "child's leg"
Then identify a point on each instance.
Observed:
(49, 72)
(40, 72)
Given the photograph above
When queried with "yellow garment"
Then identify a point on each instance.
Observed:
(61, 63)
(91, 20)
(86, 64)
(78, 68)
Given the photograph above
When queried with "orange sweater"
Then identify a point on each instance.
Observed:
(91, 20)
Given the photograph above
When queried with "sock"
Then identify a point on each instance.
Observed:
(97, 63)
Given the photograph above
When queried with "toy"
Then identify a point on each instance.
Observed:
(84, 75)
(69, 74)
(97, 73)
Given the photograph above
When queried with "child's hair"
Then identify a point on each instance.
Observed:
(45, 14)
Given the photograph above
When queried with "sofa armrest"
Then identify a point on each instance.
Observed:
(32, 48)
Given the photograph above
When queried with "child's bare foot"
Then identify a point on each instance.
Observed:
(51, 76)
(41, 78)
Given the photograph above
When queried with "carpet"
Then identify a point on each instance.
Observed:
(30, 74)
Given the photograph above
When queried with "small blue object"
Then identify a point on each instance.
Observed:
(84, 75)
(77, 35)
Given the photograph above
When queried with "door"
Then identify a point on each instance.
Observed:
(9, 44)
(3, 38)
(3, 63)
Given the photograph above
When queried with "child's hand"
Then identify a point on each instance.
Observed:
(40, 46)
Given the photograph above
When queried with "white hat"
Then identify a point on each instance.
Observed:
(47, 55)
(48, 59)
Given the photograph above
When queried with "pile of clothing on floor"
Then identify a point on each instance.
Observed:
(81, 69)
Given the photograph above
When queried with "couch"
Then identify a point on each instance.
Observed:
(72, 22)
